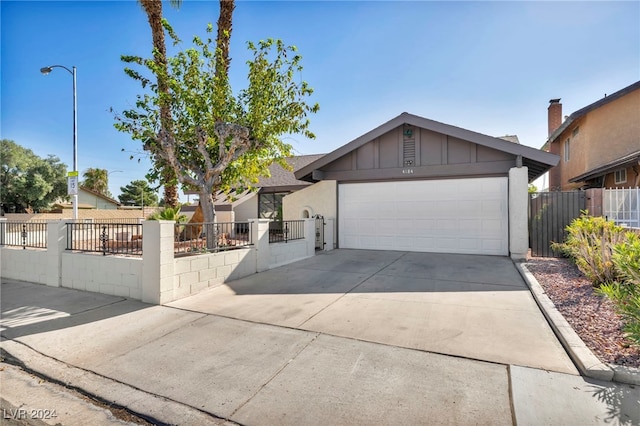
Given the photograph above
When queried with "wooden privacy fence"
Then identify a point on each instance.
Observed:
(549, 215)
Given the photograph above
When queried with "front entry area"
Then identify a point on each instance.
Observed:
(466, 216)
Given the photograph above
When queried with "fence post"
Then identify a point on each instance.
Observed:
(260, 240)
(56, 245)
(157, 261)
(3, 230)
(328, 235)
(518, 213)
(310, 236)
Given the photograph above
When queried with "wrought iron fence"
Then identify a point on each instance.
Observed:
(23, 234)
(105, 238)
(286, 230)
(622, 205)
(123, 220)
(197, 238)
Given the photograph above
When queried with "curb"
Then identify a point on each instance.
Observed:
(153, 408)
(586, 362)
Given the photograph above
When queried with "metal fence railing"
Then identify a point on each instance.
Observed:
(123, 220)
(622, 206)
(287, 230)
(23, 234)
(197, 238)
(105, 238)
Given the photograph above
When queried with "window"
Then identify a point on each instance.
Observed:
(567, 150)
(621, 176)
(270, 205)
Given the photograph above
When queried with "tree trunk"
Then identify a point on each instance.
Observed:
(209, 213)
(170, 194)
(223, 36)
(153, 9)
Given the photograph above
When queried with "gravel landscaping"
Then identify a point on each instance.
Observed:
(592, 316)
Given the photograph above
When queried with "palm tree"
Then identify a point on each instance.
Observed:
(97, 180)
(223, 37)
(222, 64)
(153, 9)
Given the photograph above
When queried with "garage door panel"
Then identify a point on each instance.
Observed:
(455, 216)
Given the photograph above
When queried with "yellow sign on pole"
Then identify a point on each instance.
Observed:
(70, 174)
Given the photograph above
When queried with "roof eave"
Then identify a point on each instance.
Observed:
(538, 156)
(627, 160)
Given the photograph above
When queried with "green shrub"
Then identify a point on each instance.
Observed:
(590, 243)
(626, 293)
(169, 213)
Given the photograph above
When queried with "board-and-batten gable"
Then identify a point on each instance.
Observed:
(420, 153)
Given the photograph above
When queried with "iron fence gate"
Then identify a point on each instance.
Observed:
(549, 215)
(319, 232)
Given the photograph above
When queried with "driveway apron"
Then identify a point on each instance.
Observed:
(471, 306)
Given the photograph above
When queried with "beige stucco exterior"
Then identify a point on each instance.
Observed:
(320, 198)
(602, 135)
(246, 208)
(88, 199)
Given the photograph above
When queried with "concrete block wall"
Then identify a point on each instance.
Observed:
(283, 253)
(118, 276)
(24, 265)
(158, 277)
(195, 273)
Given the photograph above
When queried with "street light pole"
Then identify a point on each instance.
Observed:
(45, 71)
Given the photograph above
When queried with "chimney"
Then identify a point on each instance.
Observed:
(555, 115)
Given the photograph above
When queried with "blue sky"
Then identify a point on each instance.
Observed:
(489, 67)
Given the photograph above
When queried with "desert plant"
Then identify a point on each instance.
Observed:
(625, 294)
(590, 243)
(169, 213)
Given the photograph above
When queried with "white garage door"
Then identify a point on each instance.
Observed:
(447, 216)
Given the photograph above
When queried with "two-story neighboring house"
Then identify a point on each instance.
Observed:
(598, 145)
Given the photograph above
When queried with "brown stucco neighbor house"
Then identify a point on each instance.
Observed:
(414, 184)
(598, 145)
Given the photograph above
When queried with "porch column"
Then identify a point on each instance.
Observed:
(518, 213)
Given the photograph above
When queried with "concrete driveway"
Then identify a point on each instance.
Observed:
(471, 306)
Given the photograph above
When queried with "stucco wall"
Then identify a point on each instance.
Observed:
(119, 276)
(97, 202)
(604, 135)
(247, 209)
(633, 178)
(319, 198)
(518, 213)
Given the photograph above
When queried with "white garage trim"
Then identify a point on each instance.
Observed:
(448, 216)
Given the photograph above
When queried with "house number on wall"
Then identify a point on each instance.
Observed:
(407, 171)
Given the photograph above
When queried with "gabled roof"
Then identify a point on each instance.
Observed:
(99, 195)
(583, 111)
(622, 162)
(510, 138)
(537, 161)
(285, 178)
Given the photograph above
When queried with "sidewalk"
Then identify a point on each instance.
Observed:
(29, 400)
(183, 367)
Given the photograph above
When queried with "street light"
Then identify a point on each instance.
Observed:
(73, 189)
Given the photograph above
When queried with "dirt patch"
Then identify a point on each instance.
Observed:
(592, 316)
